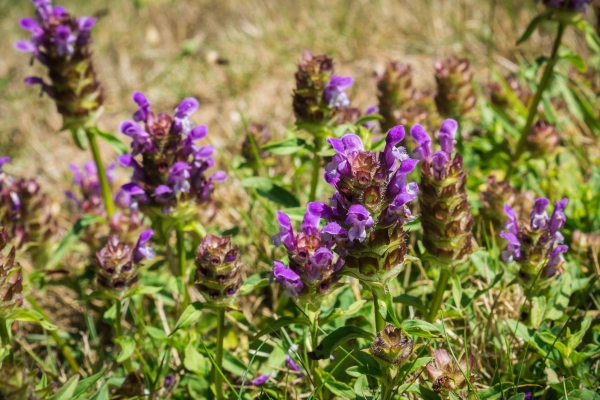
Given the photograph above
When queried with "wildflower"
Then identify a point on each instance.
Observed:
(11, 278)
(292, 365)
(335, 91)
(543, 139)
(537, 245)
(455, 96)
(391, 346)
(169, 381)
(89, 187)
(262, 379)
(313, 267)
(117, 262)
(370, 206)
(495, 195)
(173, 167)
(445, 213)
(25, 210)
(448, 377)
(394, 92)
(218, 270)
(62, 44)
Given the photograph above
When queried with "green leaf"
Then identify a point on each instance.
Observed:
(337, 338)
(29, 315)
(71, 237)
(532, 26)
(266, 188)
(115, 142)
(362, 389)
(580, 394)
(576, 60)
(456, 289)
(415, 365)
(127, 348)
(190, 315)
(495, 392)
(276, 324)
(79, 137)
(339, 312)
(421, 329)
(366, 369)
(101, 394)
(519, 329)
(194, 361)
(66, 392)
(285, 147)
(410, 301)
(254, 282)
(571, 383)
(233, 364)
(424, 392)
(156, 333)
(143, 290)
(340, 389)
(538, 310)
(86, 383)
(518, 396)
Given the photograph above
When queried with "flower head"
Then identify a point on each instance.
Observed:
(455, 96)
(391, 346)
(448, 376)
(173, 167)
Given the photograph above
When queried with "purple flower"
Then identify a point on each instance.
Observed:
(288, 278)
(141, 138)
(143, 249)
(292, 365)
(3, 160)
(169, 381)
(360, 219)
(438, 162)
(528, 395)
(178, 177)
(64, 40)
(286, 232)
(262, 379)
(558, 217)
(539, 217)
(335, 93)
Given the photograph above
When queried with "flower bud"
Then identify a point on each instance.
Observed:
(543, 139)
(445, 212)
(117, 262)
(392, 347)
(394, 92)
(495, 195)
(455, 96)
(218, 270)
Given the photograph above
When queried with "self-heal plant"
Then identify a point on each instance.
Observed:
(11, 286)
(455, 96)
(62, 44)
(369, 209)
(445, 212)
(319, 97)
(25, 211)
(536, 245)
(171, 177)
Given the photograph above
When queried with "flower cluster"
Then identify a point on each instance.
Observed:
(495, 195)
(11, 279)
(448, 376)
(455, 96)
(370, 206)
(218, 270)
(62, 44)
(392, 347)
(445, 213)
(89, 187)
(536, 245)
(312, 272)
(173, 167)
(117, 262)
(320, 95)
(25, 211)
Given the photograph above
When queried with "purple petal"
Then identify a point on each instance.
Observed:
(85, 23)
(219, 176)
(143, 249)
(310, 223)
(538, 216)
(558, 217)
(337, 145)
(447, 134)
(199, 132)
(4, 160)
(133, 189)
(77, 177)
(423, 140)
(512, 225)
(407, 166)
(352, 143)
(286, 232)
(394, 136)
(29, 24)
(186, 108)
(25, 46)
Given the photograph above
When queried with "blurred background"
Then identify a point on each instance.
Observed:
(238, 57)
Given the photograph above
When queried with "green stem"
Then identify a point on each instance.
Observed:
(62, 346)
(127, 364)
(219, 356)
(314, 342)
(104, 186)
(5, 340)
(316, 167)
(438, 296)
(379, 321)
(546, 77)
(182, 267)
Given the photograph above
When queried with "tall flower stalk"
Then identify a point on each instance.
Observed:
(62, 43)
(170, 179)
(218, 279)
(369, 209)
(445, 212)
(318, 99)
